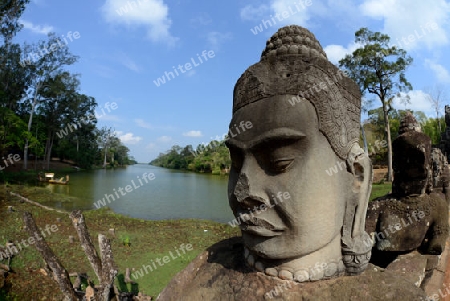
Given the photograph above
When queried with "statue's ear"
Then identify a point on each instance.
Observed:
(356, 243)
(362, 187)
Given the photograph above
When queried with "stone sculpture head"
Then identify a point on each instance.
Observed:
(299, 182)
(411, 160)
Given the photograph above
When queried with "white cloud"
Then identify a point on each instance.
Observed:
(46, 29)
(193, 134)
(409, 25)
(165, 139)
(338, 52)
(253, 13)
(141, 123)
(418, 102)
(425, 21)
(129, 138)
(440, 72)
(216, 39)
(153, 14)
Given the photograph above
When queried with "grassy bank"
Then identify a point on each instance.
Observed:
(380, 190)
(148, 240)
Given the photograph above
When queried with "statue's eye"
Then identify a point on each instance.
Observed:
(281, 165)
(281, 155)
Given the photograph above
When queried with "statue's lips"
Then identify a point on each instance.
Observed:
(260, 231)
(261, 227)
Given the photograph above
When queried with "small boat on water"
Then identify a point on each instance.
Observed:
(49, 177)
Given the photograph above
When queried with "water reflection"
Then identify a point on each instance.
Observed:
(55, 188)
(171, 195)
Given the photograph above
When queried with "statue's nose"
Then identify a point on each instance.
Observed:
(248, 190)
(241, 191)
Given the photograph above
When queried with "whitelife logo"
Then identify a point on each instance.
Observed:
(146, 177)
(166, 259)
(187, 66)
(87, 120)
(12, 249)
(34, 57)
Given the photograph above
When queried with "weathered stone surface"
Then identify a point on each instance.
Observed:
(437, 276)
(408, 223)
(411, 267)
(415, 215)
(299, 187)
(221, 274)
(445, 137)
(440, 171)
(411, 161)
(409, 124)
(304, 119)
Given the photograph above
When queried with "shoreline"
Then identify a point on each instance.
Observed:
(192, 171)
(135, 242)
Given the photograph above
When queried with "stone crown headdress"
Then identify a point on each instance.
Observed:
(294, 63)
(409, 123)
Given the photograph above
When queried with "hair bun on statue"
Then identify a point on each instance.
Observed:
(293, 40)
(294, 63)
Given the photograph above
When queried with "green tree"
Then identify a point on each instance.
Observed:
(379, 69)
(80, 114)
(431, 128)
(56, 95)
(121, 154)
(10, 12)
(49, 63)
(13, 82)
(211, 158)
(104, 139)
(118, 152)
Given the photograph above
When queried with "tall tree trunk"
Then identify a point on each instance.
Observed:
(47, 152)
(389, 143)
(104, 162)
(49, 147)
(30, 121)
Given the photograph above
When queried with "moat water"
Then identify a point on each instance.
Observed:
(148, 192)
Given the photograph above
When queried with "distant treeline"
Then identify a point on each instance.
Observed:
(212, 158)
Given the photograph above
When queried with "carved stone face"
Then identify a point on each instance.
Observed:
(411, 162)
(284, 153)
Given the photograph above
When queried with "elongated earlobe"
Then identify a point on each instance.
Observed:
(356, 243)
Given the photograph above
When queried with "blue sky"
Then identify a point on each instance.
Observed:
(125, 46)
